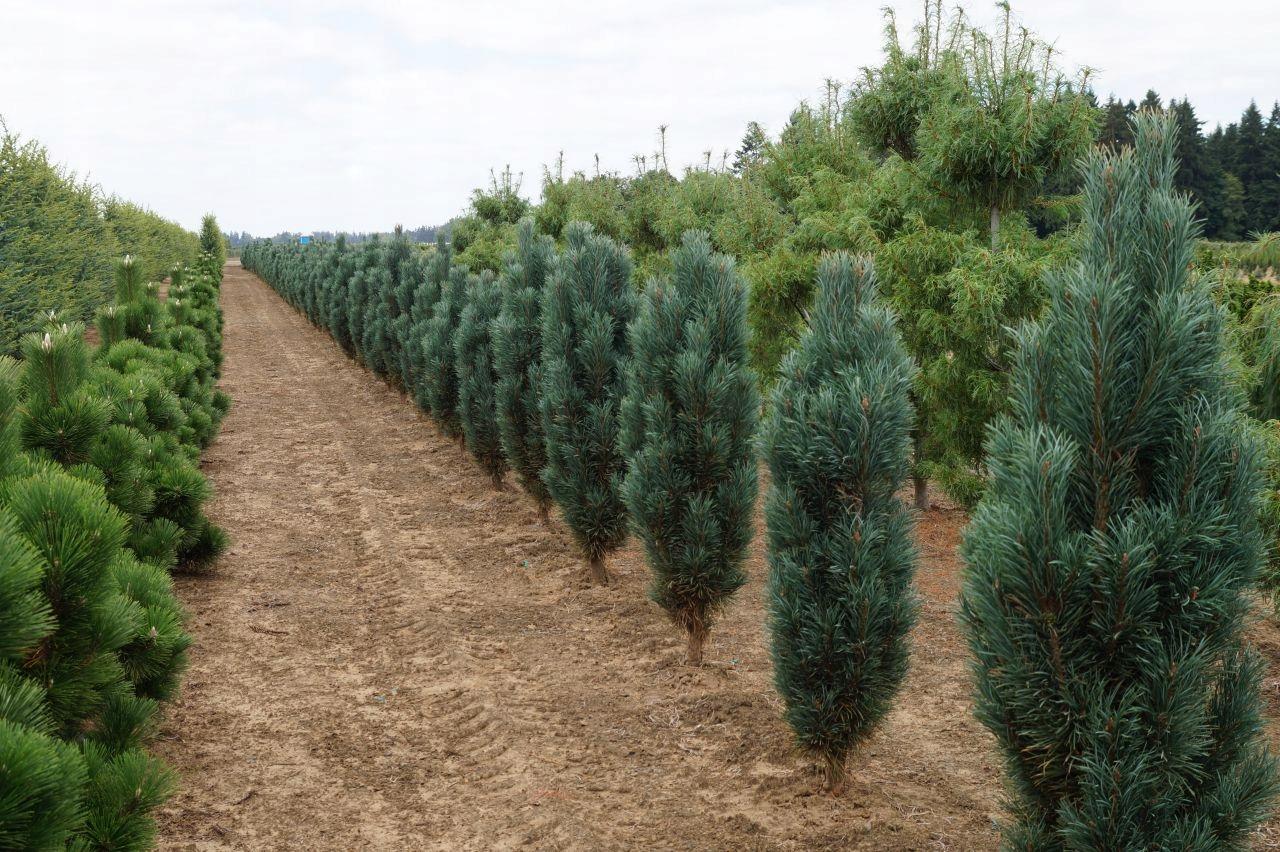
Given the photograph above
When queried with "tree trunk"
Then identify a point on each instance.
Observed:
(498, 483)
(918, 479)
(995, 227)
(833, 773)
(697, 638)
(544, 512)
(922, 492)
(598, 572)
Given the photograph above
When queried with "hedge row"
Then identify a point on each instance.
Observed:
(60, 240)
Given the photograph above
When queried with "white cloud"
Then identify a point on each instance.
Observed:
(321, 114)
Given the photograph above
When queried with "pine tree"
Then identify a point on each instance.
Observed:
(440, 377)
(211, 239)
(477, 380)
(1110, 564)
(425, 302)
(688, 431)
(517, 352)
(585, 311)
(841, 557)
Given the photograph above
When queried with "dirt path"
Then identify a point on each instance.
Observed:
(394, 656)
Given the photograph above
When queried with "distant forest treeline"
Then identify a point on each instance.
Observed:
(1233, 172)
(421, 234)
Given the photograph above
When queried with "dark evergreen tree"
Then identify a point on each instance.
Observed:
(440, 378)
(1116, 131)
(1151, 102)
(477, 380)
(517, 350)
(1196, 175)
(841, 557)
(1110, 564)
(752, 150)
(585, 311)
(1270, 186)
(1251, 169)
(688, 432)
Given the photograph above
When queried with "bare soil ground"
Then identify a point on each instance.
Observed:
(395, 656)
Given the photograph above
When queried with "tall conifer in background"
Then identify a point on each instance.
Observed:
(517, 352)
(439, 376)
(688, 432)
(841, 557)
(1110, 563)
(473, 348)
(585, 311)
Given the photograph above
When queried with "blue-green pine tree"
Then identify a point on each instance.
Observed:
(425, 300)
(841, 555)
(477, 381)
(517, 352)
(585, 311)
(688, 432)
(1110, 564)
(439, 376)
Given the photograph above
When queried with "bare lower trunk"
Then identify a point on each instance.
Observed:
(995, 227)
(697, 638)
(922, 492)
(498, 483)
(833, 773)
(598, 572)
(544, 512)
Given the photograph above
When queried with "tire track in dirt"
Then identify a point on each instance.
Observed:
(394, 656)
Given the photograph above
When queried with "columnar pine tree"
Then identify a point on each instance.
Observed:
(517, 354)
(439, 376)
(1110, 563)
(586, 307)
(841, 557)
(473, 347)
(211, 239)
(425, 300)
(688, 432)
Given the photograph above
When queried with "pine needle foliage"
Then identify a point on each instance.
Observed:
(1110, 563)
(841, 556)
(425, 301)
(440, 376)
(688, 431)
(517, 353)
(585, 311)
(477, 381)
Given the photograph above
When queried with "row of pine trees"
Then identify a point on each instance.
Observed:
(101, 498)
(1109, 564)
(637, 412)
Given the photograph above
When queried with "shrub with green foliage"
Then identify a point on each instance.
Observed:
(688, 433)
(1110, 564)
(517, 360)
(585, 311)
(841, 556)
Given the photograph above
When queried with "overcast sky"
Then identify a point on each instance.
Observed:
(317, 114)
